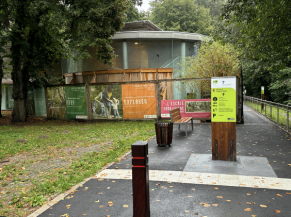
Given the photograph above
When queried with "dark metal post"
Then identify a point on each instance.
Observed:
(140, 179)
(242, 102)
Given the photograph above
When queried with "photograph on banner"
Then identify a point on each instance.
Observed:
(56, 102)
(195, 108)
(106, 101)
(139, 101)
(39, 102)
(76, 106)
(198, 106)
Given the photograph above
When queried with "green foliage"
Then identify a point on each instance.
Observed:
(132, 13)
(213, 59)
(181, 15)
(214, 6)
(281, 88)
(260, 29)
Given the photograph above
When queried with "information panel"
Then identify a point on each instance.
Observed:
(139, 101)
(76, 102)
(223, 99)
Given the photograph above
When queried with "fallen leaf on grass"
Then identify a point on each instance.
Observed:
(248, 209)
(263, 206)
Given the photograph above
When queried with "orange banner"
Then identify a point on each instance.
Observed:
(139, 101)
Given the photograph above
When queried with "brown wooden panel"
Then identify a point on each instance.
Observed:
(224, 132)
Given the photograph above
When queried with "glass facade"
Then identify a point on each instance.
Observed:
(7, 100)
(140, 53)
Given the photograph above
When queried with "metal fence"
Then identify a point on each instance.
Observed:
(278, 113)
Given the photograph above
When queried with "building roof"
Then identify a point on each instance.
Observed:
(144, 25)
(158, 35)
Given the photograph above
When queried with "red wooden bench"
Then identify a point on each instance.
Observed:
(176, 119)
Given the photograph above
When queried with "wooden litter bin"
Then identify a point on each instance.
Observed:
(164, 133)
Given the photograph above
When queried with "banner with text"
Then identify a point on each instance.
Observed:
(195, 108)
(139, 101)
(76, 107)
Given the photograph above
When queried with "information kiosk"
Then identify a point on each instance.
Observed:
(223, 117)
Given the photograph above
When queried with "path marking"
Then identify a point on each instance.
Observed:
(202, 178)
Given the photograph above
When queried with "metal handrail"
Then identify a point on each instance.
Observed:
(278, 106)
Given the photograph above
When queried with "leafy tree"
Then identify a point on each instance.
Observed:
(43, 32)
(132, 13)
(214, 6)
(213, 60)
(181, 15)
(261, 30)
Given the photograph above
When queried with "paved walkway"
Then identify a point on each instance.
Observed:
(184, 181)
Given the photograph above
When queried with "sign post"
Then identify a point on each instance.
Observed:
(262, 97)
(223, 118)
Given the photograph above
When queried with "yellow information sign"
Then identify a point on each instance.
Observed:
(223, 99)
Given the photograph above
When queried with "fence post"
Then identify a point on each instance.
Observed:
(287, 119)
(140, 179)
(46, 103)
(278, 115)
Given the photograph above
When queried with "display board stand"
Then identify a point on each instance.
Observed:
(223, 117)
(224, 141)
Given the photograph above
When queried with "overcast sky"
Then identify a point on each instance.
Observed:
(145, 5)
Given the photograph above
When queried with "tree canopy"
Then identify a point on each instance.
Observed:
(181, 15)
(43, 32)
(213, 59)
(261, 30)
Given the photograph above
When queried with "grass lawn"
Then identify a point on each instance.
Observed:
(41, 159)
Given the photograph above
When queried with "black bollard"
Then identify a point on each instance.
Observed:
(140, 179)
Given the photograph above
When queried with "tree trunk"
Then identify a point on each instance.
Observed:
(1, 76)
(19, 88)
(19, 79)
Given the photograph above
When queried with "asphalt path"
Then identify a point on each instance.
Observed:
(257, 140)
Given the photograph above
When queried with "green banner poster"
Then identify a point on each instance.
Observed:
(223, 99)
(76, 102)
(39, 102)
